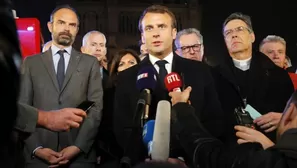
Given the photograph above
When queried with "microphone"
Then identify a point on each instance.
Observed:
(161, 138)
(147, 135)
(146, 83)
(173, 82)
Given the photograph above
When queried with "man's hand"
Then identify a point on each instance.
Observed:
(70, 152)
(170, 160)
(269, 121)
(180, 97)
(246, 134)
(61, 120)
(49, 155)
(289, 120)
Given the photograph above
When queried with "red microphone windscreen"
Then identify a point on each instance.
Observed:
(173, 82)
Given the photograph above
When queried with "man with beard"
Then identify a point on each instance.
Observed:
(58, 78)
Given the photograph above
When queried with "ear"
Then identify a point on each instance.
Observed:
(178, 52)
(82, 49)
(253, 37)
(174, 32)
(142, 38)
(50, 26)
(202, 50)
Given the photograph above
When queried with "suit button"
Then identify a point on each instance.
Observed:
(60, 102)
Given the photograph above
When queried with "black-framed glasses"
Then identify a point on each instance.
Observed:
(195, 47)
(239, 29)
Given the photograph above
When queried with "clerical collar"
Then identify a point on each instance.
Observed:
(242, 64)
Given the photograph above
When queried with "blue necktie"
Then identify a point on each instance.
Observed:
(61, 69)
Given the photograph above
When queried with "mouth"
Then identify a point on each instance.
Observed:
(157, 43)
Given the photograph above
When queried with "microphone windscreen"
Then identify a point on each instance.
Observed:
(172, 81)
(148, 131)
(161, 138)
(146, 78)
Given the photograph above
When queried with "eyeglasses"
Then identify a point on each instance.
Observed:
(239, 29)
(195, 47)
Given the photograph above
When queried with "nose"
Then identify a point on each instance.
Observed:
(156, 33)
(192, 51)
(234, 35)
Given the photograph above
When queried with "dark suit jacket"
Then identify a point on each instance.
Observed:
(203, 97)
(39, 88)
(291, 69)
(269, 89)
(207, 151)
(26, 119)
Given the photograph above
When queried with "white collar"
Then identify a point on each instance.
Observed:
(242, 64)
(168, 58)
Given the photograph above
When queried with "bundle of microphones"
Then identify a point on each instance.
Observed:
(156, 133)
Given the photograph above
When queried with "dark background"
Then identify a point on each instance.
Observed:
(268, 18)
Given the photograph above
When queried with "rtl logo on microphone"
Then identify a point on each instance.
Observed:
(173, 78)
(143, 75)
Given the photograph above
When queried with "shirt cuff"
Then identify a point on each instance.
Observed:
(33, 153)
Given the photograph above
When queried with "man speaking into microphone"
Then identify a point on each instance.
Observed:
(158, 30)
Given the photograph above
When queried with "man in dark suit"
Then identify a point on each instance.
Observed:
(158, 29)
(59, 78)
(249, 78)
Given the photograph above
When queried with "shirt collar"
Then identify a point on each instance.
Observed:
(168, 58)
(55, 49)
(242, 64)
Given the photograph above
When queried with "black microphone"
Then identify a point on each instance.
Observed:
(146, 83)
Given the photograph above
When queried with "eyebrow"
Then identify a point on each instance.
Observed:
(59, 20)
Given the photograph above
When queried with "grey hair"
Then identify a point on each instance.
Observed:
(186, 32)
(86, 36)
(272, 38)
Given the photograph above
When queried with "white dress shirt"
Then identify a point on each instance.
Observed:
(168, 58)
(56, 56)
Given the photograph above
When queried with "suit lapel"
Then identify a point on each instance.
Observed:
(49, 64)
(72, 66)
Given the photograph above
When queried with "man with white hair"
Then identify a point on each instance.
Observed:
(94, 43)
(275, 48)
(189, 44)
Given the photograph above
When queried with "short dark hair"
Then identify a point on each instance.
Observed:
(65, 6)
(157, 9)
(237, 15)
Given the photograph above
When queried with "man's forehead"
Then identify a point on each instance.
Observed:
(156, 18)
(66, 15)
(234, 24)
(189, 38)
(273, 44)
(96, 37)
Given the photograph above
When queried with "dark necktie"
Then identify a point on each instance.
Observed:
(61, 69)
(162, 70)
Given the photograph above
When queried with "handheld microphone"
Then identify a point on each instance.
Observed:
(161, 139)
(173, 82)
(146, 83)
(147, 135)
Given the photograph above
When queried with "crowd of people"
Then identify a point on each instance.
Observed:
(47, 130)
